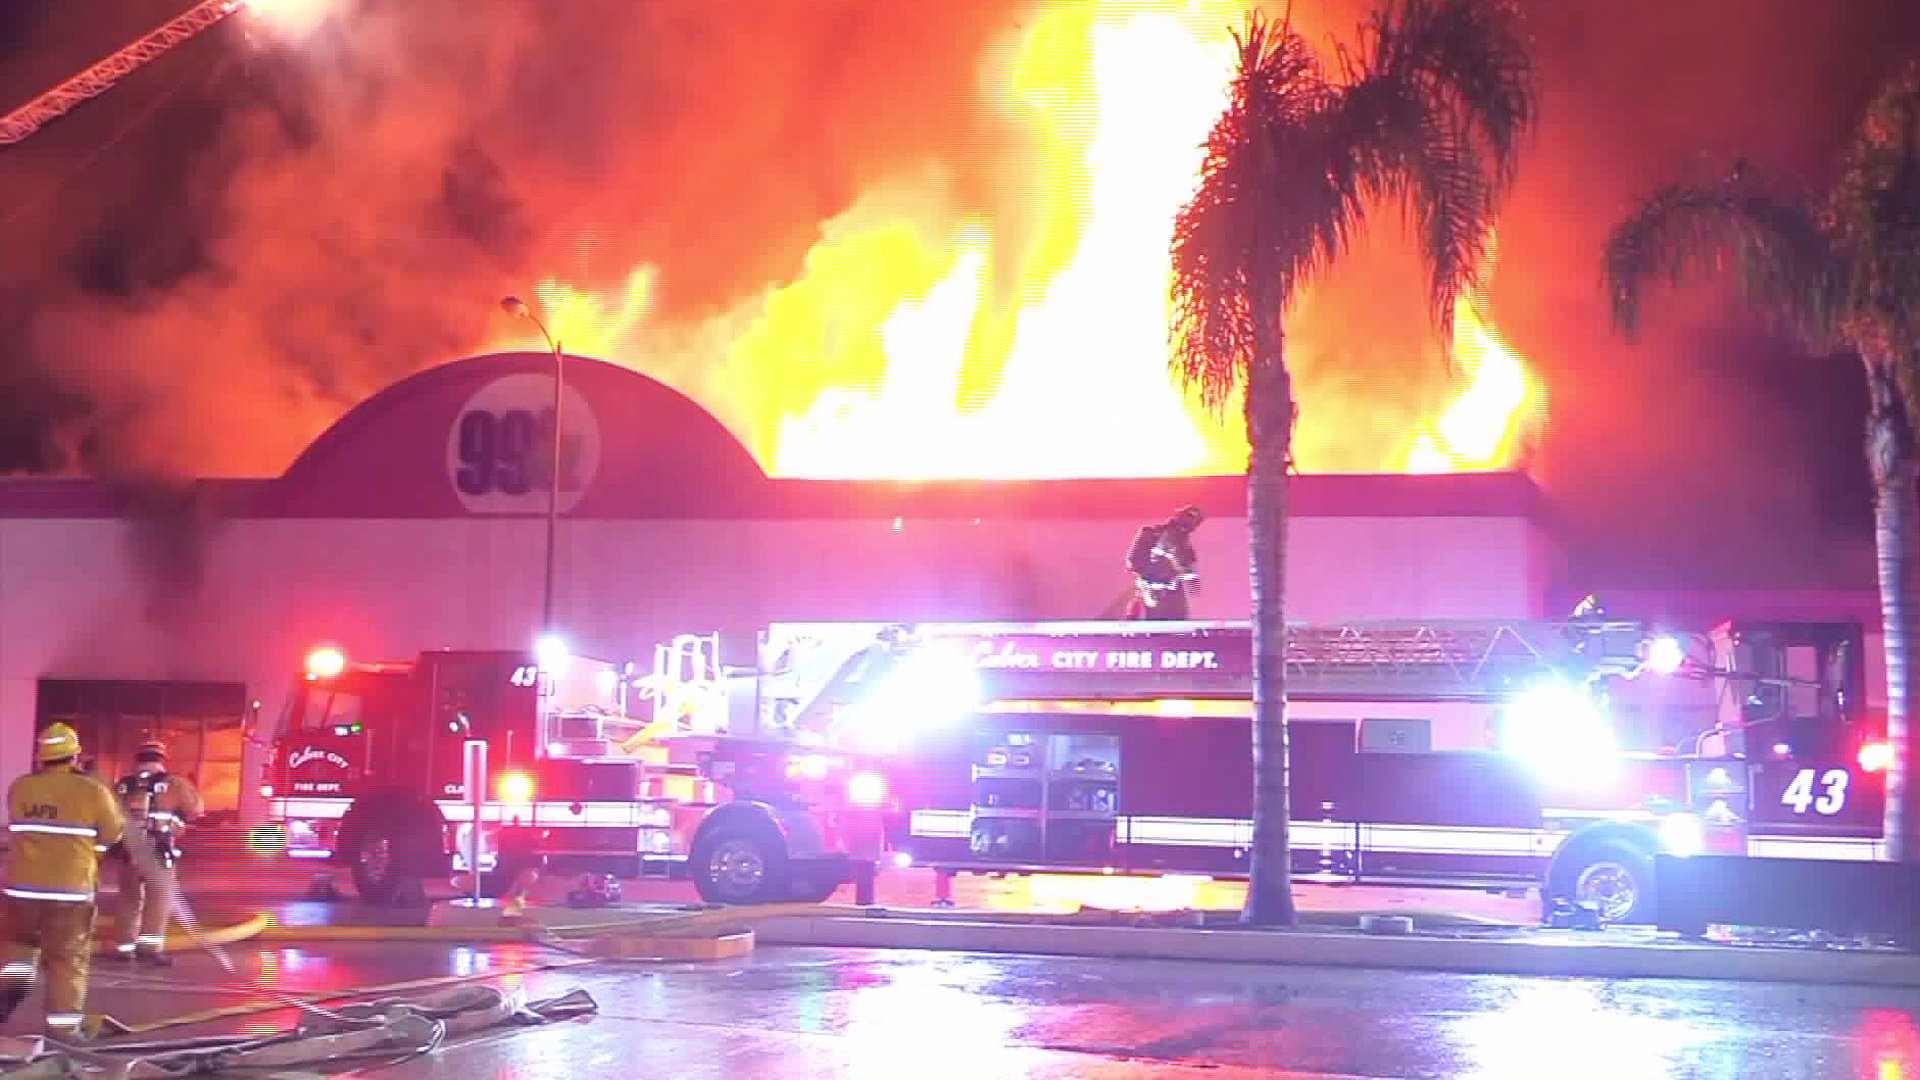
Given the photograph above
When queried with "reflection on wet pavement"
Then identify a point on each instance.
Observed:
(905, 1015)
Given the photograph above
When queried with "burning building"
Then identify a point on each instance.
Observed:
(417, 521)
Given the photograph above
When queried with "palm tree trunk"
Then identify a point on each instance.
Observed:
(1890, 460)
(1269, 436)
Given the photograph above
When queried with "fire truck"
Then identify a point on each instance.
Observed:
(368, 769)
(1484, 755)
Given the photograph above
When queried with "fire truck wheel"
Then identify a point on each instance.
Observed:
(739, 864)
(385, 861)
(1613, 876)
(804, 891)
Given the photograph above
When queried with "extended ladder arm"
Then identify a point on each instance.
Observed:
(30, 117)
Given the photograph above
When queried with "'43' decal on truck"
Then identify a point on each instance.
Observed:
(1830, 799)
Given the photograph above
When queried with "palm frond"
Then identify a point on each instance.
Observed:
(1265, 214)
(1788, 264)
(1875, 208)
(1436, 106)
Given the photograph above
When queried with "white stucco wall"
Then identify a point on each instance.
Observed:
(78, 605)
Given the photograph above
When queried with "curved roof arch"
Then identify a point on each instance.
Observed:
(430, 437)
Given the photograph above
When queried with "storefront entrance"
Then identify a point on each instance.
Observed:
(201, 723)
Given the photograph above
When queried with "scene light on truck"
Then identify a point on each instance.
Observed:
(515, 787)
(866, 789)
(551, 653)
(931, 689)
(324, 662)
(1561, 733)
(1665, 655)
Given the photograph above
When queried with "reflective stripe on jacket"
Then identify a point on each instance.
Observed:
(55, 819)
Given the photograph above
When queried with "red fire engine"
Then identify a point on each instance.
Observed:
(367, 769)
(1486, 755)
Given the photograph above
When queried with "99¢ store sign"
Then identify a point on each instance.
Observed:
(499, 448)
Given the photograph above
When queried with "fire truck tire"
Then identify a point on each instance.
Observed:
(390, 855)
(739, 863)
(1614, 876)
(805, 891)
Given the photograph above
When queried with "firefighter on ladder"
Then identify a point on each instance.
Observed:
(57, 819)
(1163, 565)
(158, 805)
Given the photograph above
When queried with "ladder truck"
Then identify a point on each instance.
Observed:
(1464, 754)
(781, 763)
(98, 78)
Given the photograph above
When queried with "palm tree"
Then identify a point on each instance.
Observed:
(1427, 113)
(1843, 272)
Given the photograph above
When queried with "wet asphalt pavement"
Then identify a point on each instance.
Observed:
(820, 1013)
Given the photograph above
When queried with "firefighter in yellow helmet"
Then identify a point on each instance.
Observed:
(158, 804)
(56, 816)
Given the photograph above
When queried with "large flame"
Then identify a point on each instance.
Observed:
(918, 344)
(1482, 427)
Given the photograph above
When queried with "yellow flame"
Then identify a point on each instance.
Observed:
(289, 19)
(1482, 426)
(914, 345)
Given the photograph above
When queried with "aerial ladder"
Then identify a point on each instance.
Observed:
(95, 80)
(1464, 660)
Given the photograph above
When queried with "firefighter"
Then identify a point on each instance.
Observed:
(56, 816)
(1164, 567)
(158, 805)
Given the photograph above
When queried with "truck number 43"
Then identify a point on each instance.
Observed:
(1799, 794)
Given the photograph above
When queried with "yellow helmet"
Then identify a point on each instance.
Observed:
(58, 741)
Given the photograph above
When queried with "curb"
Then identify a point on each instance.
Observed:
(1473, 956)
(670, 938)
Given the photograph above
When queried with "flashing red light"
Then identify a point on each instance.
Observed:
(1876, 756)
(325, 661)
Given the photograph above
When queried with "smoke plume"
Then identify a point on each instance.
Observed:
(349, 206)
(217, 258)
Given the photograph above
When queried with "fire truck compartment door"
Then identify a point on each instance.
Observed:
(1471, 788)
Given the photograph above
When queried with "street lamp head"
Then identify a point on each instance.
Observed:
(515, 307)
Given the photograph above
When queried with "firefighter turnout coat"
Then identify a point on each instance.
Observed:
(56, 816)
(158, 805)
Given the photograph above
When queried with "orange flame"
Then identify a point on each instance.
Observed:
(918, 345)
(1482, 427)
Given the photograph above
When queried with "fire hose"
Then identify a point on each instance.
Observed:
(389, 1029)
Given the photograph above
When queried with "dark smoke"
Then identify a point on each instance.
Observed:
(1706, 449)
(297, 225)
(210, 263)
(169, 523)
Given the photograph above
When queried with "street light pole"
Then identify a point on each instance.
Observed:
(516, 307)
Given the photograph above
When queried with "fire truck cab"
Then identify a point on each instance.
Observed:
(368, 769)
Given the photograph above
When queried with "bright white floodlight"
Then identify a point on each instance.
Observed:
(551, 653)
(1558, 730)
(1665, 655)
